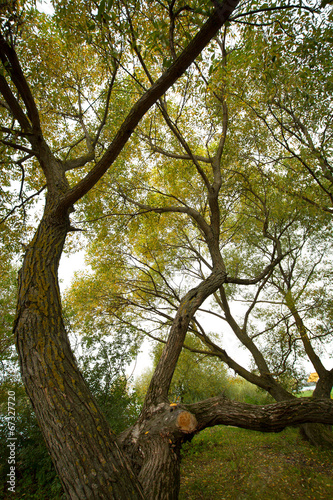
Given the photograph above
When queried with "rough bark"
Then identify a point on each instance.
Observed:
(318, 434)
(83, 448)
(153, 446)
(269, 418)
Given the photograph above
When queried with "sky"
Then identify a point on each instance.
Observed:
(69, 265)
(45, 6)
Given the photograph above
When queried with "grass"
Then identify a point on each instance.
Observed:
(226, 463)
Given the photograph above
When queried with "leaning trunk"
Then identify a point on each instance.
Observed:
(83, 448)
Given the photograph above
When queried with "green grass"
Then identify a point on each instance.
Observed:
(235, 464)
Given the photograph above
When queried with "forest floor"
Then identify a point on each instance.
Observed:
(225, 463)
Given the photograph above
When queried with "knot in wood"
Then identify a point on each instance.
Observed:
(186, 422)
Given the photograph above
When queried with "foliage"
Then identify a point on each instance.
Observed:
(36, 477)
(223, 195)
(199, 377)
(8, 355)
(103, 366)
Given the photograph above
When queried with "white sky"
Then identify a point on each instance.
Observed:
(45, 6)
(69, 265)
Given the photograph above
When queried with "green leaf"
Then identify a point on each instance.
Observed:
(101, 10)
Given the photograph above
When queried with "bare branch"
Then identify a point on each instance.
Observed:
(252, 281)
(177, 156)
(22, 204)
(78, 162)
(13, 105)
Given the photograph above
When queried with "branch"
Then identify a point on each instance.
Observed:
(177, 156)
(21, 204)
(13, 105)
(18, 147)
(268, 418)
(194, 214)
(3, 104)
(107, 104)
(12, 65)
(78, 162)
(160, 383)
(272, 9)
(168, 78)
(263, 274)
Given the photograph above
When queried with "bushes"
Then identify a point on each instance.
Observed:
(200, 377)
(245, 392)
(35, 474)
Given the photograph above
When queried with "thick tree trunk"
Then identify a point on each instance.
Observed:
(318, 435)
(154, 446)
(83, 448)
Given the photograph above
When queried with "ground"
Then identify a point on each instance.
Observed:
(234, 464)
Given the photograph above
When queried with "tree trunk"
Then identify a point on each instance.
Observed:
(154, 445)
(83, 448)
(318, 434)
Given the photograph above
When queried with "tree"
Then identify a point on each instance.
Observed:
(40, 97)
(295, 109)
(259, 229)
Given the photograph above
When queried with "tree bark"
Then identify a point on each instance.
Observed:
(83, 448)
(268, 418)
(318, 434)
(154, 445)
